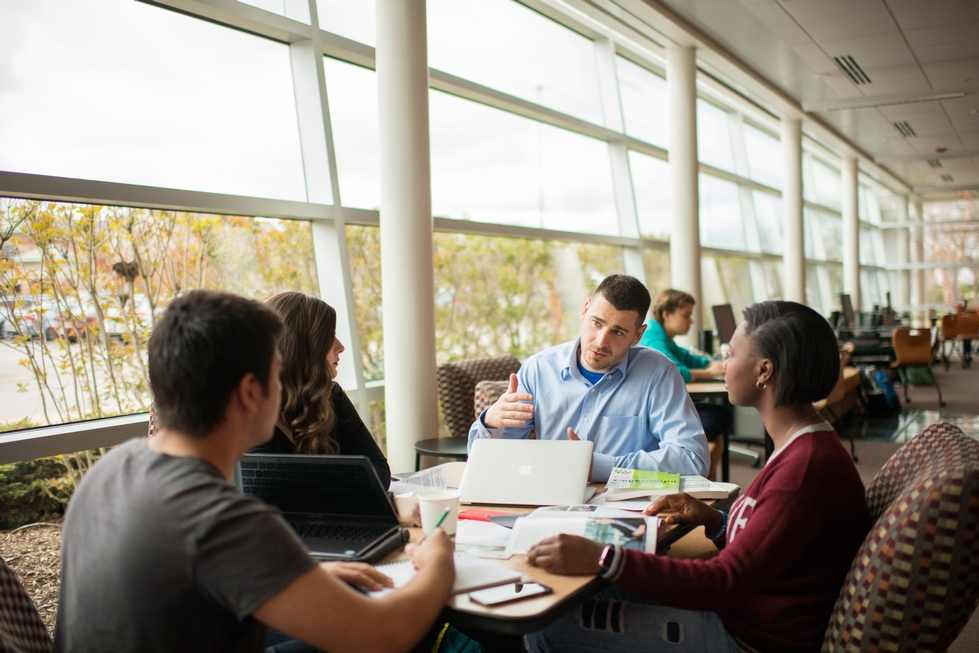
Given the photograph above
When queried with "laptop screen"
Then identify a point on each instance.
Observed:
(337, 485)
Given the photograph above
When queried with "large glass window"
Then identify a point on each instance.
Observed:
(545, 282)
(354, 19)
(720, 214)
(98, 89)
(81, 287)
(512, 170)
(352, 92)
(768, 217)
(656, 264)
(653, 191)
(507, 46)
(765, 159)
(823, 185)
(831, 235)
(714, 136)
(644, 102)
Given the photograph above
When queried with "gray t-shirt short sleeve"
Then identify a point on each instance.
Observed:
(160, 553)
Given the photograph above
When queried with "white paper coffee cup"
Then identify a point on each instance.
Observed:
(433, 504)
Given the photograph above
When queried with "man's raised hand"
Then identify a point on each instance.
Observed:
(511, 409)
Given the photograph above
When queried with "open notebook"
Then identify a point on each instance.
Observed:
(471, 574)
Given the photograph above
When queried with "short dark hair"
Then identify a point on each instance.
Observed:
(201, 349)
(625, 293)
(802, 347)
(670, 300)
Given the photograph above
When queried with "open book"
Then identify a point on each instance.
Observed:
(471, 574)
(603, 525)
(696, 486)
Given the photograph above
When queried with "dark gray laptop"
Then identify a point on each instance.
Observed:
(336, 504)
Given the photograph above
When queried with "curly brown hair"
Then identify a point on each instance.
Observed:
(306, 411)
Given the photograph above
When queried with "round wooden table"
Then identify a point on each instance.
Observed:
(455, 448)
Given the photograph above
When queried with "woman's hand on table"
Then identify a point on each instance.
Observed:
(684, 509)
(359, 574)
(570, 555)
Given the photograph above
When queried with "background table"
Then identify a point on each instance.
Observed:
(716, 389)
(454, 448)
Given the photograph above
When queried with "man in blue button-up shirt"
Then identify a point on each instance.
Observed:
(629, 401)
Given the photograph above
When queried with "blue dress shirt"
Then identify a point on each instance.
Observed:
(638, 415)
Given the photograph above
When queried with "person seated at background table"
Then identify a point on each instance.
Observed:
(161, 552)
(316, 416)
(786, 544)
(672, 316)
(628, 400)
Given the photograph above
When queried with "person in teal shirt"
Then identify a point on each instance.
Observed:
(672, 316)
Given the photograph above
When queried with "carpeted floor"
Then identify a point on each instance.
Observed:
(878, 438)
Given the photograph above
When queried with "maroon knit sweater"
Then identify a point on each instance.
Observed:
(790, 540)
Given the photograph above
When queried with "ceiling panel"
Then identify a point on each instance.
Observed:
(946, 43)
(963, 112)
(929, 144)
(926, 118)
(816, 58)
(953, 74)
(828, 20)
(896, 80)
(883, 49)
(970, 139)
(915, 14)
(771, 14)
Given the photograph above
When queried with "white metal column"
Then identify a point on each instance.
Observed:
(625, 196)
(903, 243)
(793, 242)
(851, 230)
(681, 84)
(322, 186)
(919, 290)
(407, 280)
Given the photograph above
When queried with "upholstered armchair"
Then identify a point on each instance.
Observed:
(457, 388)
(915, 580)
(21, 628)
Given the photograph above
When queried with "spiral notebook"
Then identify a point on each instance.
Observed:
(471, 574)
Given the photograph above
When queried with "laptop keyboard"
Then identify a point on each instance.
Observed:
(350, 533)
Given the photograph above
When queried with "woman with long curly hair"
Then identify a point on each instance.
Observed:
(316, 416)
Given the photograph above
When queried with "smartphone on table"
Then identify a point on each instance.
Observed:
(509, 593)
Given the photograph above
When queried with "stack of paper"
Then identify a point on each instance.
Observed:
(631, 483)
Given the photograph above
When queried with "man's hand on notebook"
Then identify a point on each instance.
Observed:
(511, 409)
(358, 574)
(571, 555)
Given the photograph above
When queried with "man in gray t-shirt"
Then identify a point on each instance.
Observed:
(162, 553)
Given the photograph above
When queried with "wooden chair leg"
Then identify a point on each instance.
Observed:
(938, 389)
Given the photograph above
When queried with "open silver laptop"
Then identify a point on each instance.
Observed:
(527, 472)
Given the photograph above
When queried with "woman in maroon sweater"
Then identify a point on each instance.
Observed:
(785, 546)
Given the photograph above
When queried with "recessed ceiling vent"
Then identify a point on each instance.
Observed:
(947, 179)
(935, 163)
(905, 128)
(852, 69)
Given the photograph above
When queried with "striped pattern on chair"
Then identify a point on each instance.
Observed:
(457, 387)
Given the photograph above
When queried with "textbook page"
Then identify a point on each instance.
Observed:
(632, 532)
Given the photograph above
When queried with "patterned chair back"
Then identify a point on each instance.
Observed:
(457, 386)
(21, 628)
(915, 580)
